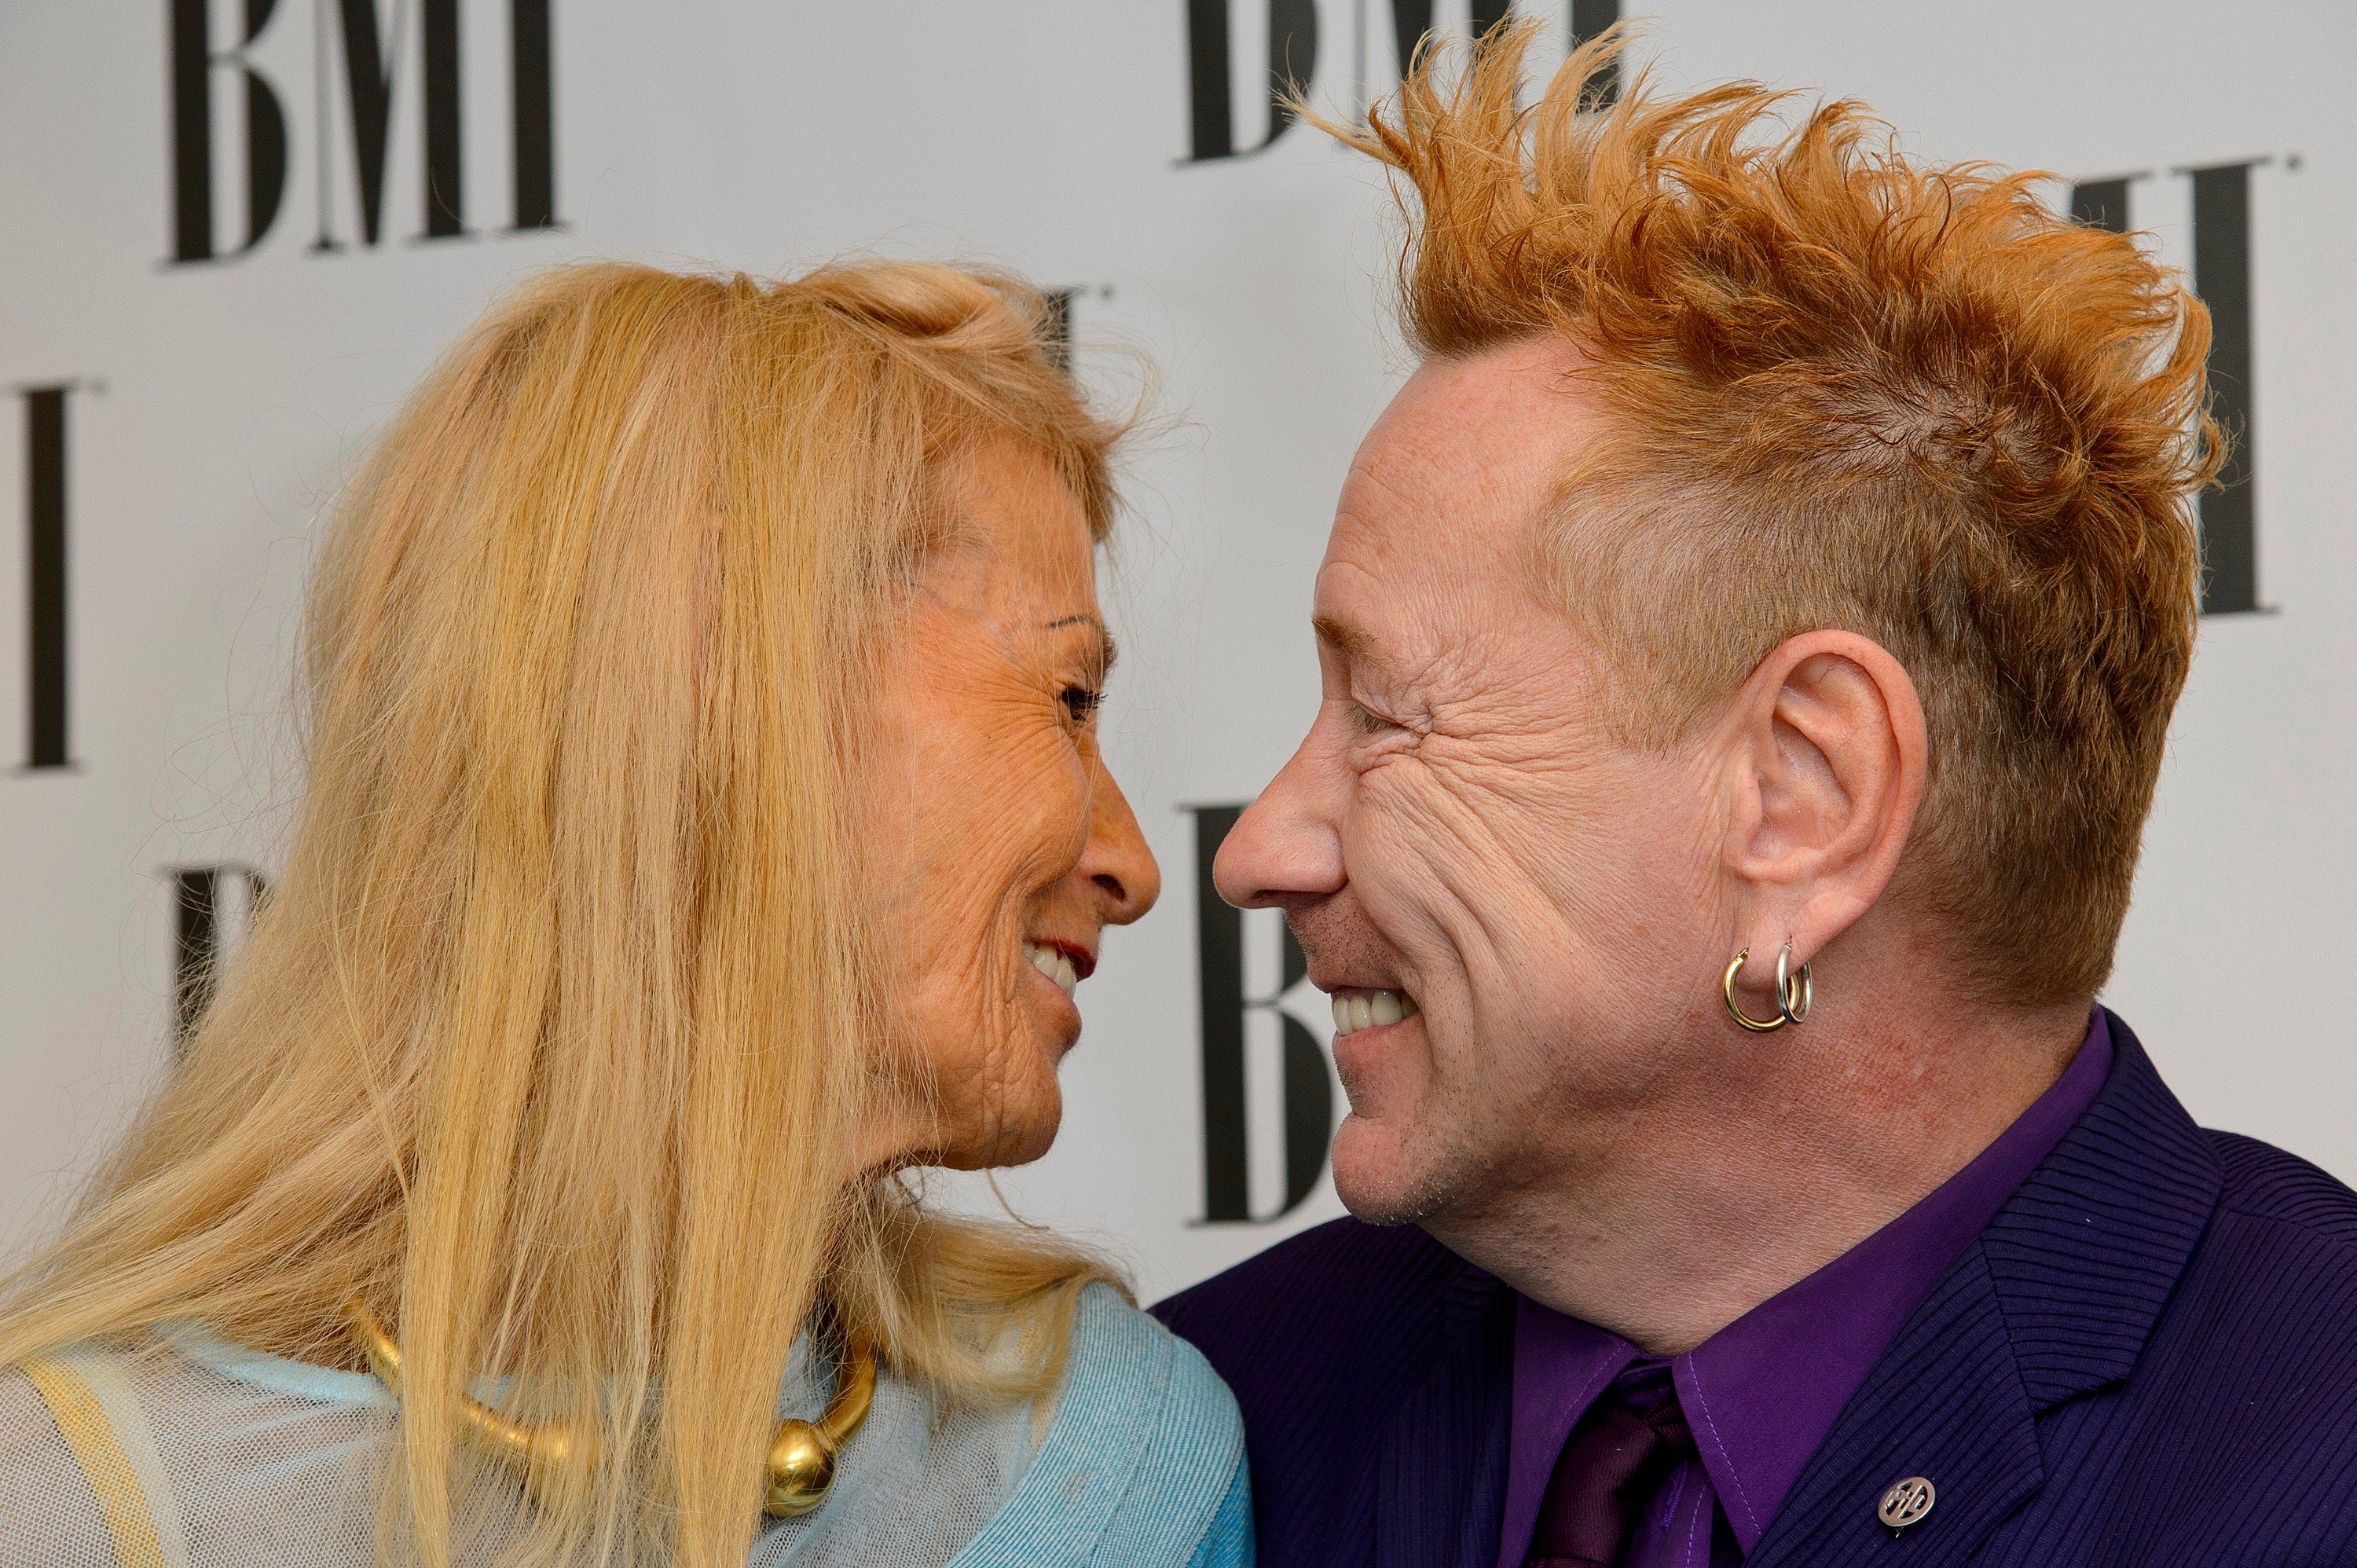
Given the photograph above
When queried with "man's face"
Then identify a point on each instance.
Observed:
(1459, 829)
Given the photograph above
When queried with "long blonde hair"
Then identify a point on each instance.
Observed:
(550, 1043)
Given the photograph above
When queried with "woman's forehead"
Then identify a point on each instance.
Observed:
(1019, 534)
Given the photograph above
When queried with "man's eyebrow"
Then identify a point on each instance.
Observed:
(1104, 638)
(1350, 642)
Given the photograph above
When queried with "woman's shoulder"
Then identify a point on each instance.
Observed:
(149, 1452)
(1143, 1463)
(53, 1515)
(1125, 1361)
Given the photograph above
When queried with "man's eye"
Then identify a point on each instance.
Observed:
(1081, 703)
(1368, 722)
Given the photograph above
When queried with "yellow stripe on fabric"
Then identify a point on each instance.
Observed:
(92, 1438)
(102, 1371)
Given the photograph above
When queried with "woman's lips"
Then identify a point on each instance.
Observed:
(1084, 962)
(1066, 963)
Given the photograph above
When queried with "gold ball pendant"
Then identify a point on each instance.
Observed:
(801, 1470)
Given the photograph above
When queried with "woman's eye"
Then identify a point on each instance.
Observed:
(1081, 703)
(1368, 722)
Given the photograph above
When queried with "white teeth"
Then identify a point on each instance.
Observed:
(1357, 1010)
(1054, 964)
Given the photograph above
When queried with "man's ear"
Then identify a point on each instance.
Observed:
(1825, 749)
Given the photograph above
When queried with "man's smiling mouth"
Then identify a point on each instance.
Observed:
(1355, 1009)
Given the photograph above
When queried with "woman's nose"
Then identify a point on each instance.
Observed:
(1117, 859)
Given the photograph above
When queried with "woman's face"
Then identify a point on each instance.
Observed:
(994, 847)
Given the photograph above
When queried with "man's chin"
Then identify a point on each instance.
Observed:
(1384, 1180)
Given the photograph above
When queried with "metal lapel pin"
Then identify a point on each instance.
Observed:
(1906, 1503)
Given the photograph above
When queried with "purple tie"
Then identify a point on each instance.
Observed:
(1611, 1464)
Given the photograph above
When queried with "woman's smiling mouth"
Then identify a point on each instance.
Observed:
(1065, 963)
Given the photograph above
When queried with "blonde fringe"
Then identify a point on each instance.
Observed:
(550, 1040)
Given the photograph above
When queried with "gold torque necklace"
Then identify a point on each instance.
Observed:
(801, 1455)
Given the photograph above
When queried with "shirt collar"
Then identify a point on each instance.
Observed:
(1761, 1393)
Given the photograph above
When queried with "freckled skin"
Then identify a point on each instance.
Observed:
(986, 815)
(1570, 1108)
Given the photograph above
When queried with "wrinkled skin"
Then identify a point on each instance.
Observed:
(989, 818)
(1570, 1107)
(1532, 884)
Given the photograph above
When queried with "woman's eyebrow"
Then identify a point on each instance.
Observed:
(1104, 638)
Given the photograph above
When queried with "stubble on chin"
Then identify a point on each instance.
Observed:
(1401, 1165)
(1434, 1175)
(1406, 1210)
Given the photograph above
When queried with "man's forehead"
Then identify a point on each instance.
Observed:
(1457, 470)
(1466, 453)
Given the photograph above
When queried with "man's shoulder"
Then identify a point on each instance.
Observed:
(2238, 1425)
(2264, 1182)
(1351, 1347)
(1335, 1326)
(2278, 1270)
(2268, 1293)
(1344, 1288)
(1348, 1254)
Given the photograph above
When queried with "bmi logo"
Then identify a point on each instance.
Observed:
(1304, 1081)
(1294, 63)
(2221, 277)
(359, 69)
(47, 740)
(208, 902)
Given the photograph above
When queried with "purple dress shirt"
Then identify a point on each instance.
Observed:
(1762, 1392)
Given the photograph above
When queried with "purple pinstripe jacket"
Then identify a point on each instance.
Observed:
(2148, 1358)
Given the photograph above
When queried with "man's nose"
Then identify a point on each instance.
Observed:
(1284, 849)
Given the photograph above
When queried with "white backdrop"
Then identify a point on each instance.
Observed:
(210, 406)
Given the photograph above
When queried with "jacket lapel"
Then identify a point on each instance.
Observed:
(2054, 1301)
(1440, 1461)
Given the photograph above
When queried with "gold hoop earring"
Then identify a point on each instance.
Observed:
(1726, 989)
(802, 1453)
(1793, 991)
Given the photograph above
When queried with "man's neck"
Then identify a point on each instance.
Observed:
(1697, 1207)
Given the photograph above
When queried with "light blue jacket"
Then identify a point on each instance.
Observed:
(1142, 1466)
(216, 1457)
